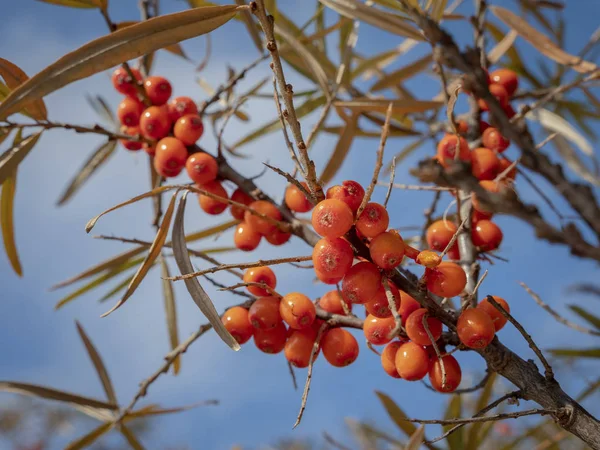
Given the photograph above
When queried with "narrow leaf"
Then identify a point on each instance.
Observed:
(587, 316)
(7, 199)
(91, 437)
(11, 158)
(454, 409)
(133, 441)
(415, 441)
(14, 76)
(372, 62)
(482, 402)
(155, 249)
(156, 411)
(170, 311)
(396, 414)
(339, 154)
(122, 45)
(396, 77)
(571, 157)
(93, 163)
(176, 49)
(577, 353)
(380, 105)
(98, 365)
(193, 286)
(102, 108)
(75, 3)
(118, 288)
(502, 47)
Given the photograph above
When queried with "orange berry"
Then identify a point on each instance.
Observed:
(412, 361)
(298, 347)
(429, 258)
(128, 144)
(377, 330)
(170, 156)
(509, 111)
(361, 282)
(189, 129)
(388, 359)
(245, 238)
(379, 306)
(498, 91)
(129, 111)
(446, 150)
(507, 79)
(212, 205)
(332, 218)
(387, 250)
(241, 197)
(493, 139)
(261, 274)
(453, 374)
(373, 220)
(154, 122)
(201, 167)
(350, 192)
(264, 313)
(158, 90)
(123, 83)
(446, 280)
(332, 303)
(297, 310)
(486, 235)
(490, 186)
(475, 328)
(440, 233)
(181, 106)
(271, 341)
(416, 331)
(408, 305)
(484, 163)
(340, 348)
(258, 223)
(497, 318)
(505, 164)
(296, 200)
(454, 252)
(236, 322)
(326, 279)
(332, 258)
(278, 237)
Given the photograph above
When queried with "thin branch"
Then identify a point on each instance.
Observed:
(435, 348)
(293, 375)
(391, 183)
(261, 285)
(494, 418)
(413, 187)
(392, 306)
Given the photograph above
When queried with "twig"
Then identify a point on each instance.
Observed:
(234, 108)
(391, 183)
(392, 305)
(293, 181)
(429, 212)
(261, 285)
(472, 295)
(293, 375)
(435, 348)
(495, 417)
(548, 373)
(218, 285)
(454, 237)
(413, 187)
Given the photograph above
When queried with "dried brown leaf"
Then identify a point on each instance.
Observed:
(7, 200)
(170, 311)
(91, 437)
(11, 158)
(380, 105)
(14, 76)
(396, 77)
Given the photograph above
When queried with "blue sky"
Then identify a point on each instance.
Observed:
(42, 346)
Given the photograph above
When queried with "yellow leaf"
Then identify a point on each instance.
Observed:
(11, 158)
(6, 221)
(122, 45)
(76, 3)
(380, 105)
(176, 49)
(131, 439)
(91, 437)
(396, 414)
(502, 47)
(341, 150)
(14, 76)
(170, 311)
(404, 73)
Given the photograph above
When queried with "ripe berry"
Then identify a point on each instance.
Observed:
(505, 164)
(416, 331)
(509, 111)
(379, 306)
(158, 90)
(181, 106)
(387, 250)
(332, 303)
(350, 192)
(258, 223)
(128, 144)
(271, 341)
(377, 331)
(201, 167)
(440, 233)
(446, 150)
(454, 252)
(123, 83)
(298, 347)
(446, 280)
(475, 328)
(453, 374)
(388, 358)
(507, 78)
(497, 318)
(241, 197)
(189, 129)
(170, 156)
(486, 235)
(498, 91)
(408, 305)
(245, 238)
(332, 257)
(490, 186)
(412, 361)
(261, 274)
(154, 122)
(373, 220)
(278, 237)
(361, 282)
(129, 111)
(493, 139)
(332, 218)
(296, 200)
(484, 163)
(210, 205)
(297, 310)
(428, 258)
(326, 279)
(340, 348)
(236, 322)
(463, 128)
(264, 313)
